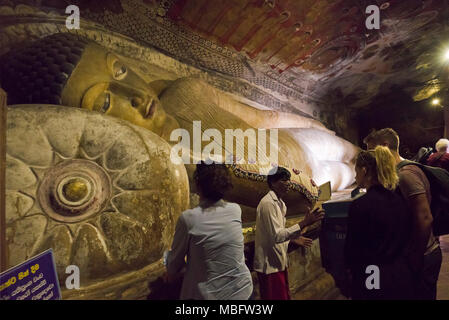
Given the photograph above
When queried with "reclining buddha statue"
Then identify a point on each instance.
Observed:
(64, 70)
(68, 70)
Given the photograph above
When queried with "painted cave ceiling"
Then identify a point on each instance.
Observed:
(296, 50)
(324, 47)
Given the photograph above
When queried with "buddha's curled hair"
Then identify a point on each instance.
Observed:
(38, 72)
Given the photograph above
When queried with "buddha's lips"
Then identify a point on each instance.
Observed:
(150, 109)
(107, 103)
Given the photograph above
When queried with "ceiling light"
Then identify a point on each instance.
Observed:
(446, 55)
(435, 102)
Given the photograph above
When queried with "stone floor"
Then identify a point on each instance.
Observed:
(443, 280)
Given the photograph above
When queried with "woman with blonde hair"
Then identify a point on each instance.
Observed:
(379, 230)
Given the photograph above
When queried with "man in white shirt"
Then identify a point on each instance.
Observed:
(272, 238)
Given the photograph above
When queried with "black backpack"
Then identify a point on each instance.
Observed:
(439, 188)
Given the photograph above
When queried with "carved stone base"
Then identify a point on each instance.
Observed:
(135, 285)
(146, 283)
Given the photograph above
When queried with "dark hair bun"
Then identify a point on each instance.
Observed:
(213, 179)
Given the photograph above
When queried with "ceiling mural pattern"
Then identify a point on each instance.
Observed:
(286, 53)
(281, 34)
(163, 33)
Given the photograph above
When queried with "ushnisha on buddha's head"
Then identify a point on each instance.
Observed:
(66, 69)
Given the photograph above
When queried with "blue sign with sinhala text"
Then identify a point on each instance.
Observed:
(34, 279)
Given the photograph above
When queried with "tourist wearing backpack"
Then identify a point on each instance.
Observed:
(423, 155)
(426, 257)
(441, 157)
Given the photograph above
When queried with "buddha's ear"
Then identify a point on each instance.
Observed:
(116, 67)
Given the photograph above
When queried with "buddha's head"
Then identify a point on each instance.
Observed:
(66, 69)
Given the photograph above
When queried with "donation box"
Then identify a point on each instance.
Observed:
(332, 240)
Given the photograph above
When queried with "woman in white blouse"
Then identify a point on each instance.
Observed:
(210, 235)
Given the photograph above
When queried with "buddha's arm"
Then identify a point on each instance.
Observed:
(267, 119)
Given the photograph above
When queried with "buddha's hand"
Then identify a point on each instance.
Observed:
(311, 217)
(303, 242)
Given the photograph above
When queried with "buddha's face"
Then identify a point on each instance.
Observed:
(101, 82)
